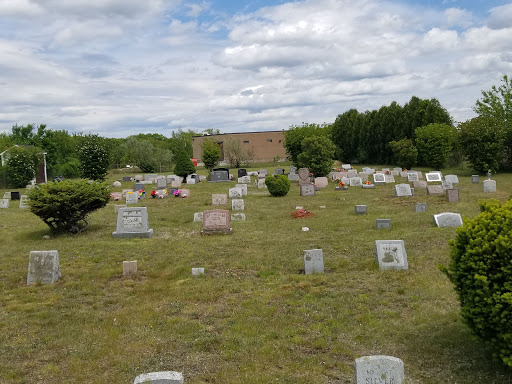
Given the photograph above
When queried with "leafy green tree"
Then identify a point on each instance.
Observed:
(211, 154)
(65, 206)
(483, 143)
(317, 155)
(405, 153)
(236, 154)
(21, 165)
(294, 136)
(435, 144)
(184, 166)
(94, 156)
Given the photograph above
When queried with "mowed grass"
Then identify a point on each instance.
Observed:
(254, 317)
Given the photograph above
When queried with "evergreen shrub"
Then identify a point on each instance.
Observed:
(278, 185)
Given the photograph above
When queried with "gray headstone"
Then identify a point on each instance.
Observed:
(446, 185)
(383, 223)
(397, 169)
(356, 182)
(489, 185)
(435, 189)
(321, 182)
(412, 177)
(238, 217)
(379, 370)
(307, 190)
(363, 176)
(292, 176)
(346, 166)
(389, 178)
(150, 176)
(454, 179)
(132, 222)
(43, 267)
(161, 183)
(244, 179)
(177, 183)
(164, 377)
(420, 184)
(292, 168)
(7, 195)
(24, 201)
(403, 190)
(433, 177)
(261, 183)
(475, 179)
(138, 177)
(197, 271)
(138, 186)
(379, 179)
(132, 198)
(117, 207)
(390, 254)
(127, 178)
(304, 177)
(198, 217)
(420, 207)
(237, 204)
(235, 193)
(279, 171)
(313, 261)
(243, 187)
(452, 195)
(219, 199)
(219, 176)
(4, 203)
(216, 221)
(361, 209)
(129, 267)
(448, 219)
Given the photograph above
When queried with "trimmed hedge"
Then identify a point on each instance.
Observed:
(278, 185)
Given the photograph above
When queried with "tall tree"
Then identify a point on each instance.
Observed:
(435, 144)
(296, 134)
(94, 155)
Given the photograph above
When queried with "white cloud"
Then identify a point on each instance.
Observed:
(500, 17)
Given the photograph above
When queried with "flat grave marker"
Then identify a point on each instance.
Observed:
(390, 254)
(435, 189)
(307, 190)
(420, 207)
(163, 377)
(402, 190)
(361, 209)
(379, 370)
(219, 199)
(433, 177)
(383, 223)
(448, 219)
(452, 195)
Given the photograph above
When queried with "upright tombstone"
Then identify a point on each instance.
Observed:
(379, 370)
(43, 267)
(237, 205)
(261, 183)
(420, 184)
(304, 176)
(292, 176)
(15, 195)
(164, 377)
(420, 207)
(138, 186)
(7, 195)
(448, 219)
(346, 166)
(129, 268)
(235, 193)
(489, 185)
(243, 187)
(216, 221)
(363, 176)
(244, 179)
(383, 223)
(279, 171)
(198, 217)
(307, 190)
(321, 182)
(446, 185)
(242, 172)
(356, 182)
(132, 222)
(390, 254)
(219, 176)
(413, 176)
(24, 201)
(454, 179)
(452, 195)
(117, 207)
(132, 198)
(435, 189)
(379, 179)
(127, 178)
(402, 190)
(313, 261)
(433, 177)
(161, 183)
(138, 178)
(389, 178)
(361, 209)
(292, 168)
(220, 199)
(4, 203)
(475, 179)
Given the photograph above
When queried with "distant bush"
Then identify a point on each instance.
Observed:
(21, 165)
(317, 155)
(404, 152)
(94, 156)
(64, 206)
(278, 185)
(184, 166)
(481, 270)
(69, 170)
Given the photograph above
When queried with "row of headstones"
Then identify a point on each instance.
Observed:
(221, 199)
(193, 178)
(5, 202)
(377, 369)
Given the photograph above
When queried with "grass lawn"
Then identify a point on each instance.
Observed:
(254, 317)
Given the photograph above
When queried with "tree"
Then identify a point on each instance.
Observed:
(184, 166)
(317, 155)
(64, 206)
(94, 156)
(211, 154)
(404, 152)
(21, 165)
(482, 141)
(296, 134)
(236, 154)
(435, 144)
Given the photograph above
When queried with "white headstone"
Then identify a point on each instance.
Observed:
(238, 217)
(448, 219)
(132, 222)
(132, 198)
(489, 185)
(313, 261)
(43, 267)
(403, 190)
(412, 177)
(198, 217)
(4, 203)
(346, 166)
(379, 179)
(24, 201)
(433, 177)
(390, 254)
(237, 204)
(321, 182)
(197, 271)
(379, 370)
(243, 187)
(244, 179)
(219, 199)
(164, 377)
(235, 193)
(454, 179)
(356, 182)
(129, 267)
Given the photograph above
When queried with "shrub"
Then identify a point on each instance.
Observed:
(64, 206)
(278, 185)
(21, 166)
(404, 152)
(184, 166)
(481, 271)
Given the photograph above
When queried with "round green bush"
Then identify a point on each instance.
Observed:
(278, 185)
(481, 271)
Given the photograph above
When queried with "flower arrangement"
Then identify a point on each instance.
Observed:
(367, 183)
(177, 192)
(341, 184)
(388, 172)
(405, 170)
(154, 194)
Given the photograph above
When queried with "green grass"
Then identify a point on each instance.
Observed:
(253, 318)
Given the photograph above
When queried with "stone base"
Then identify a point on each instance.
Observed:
(217, 231)
(219, 181)
(341, 188)
(368, 186)
(131, 235)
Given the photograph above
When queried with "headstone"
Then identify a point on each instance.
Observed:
(127, 178)
(150, 176)
(448, 219)
(475, 179)
(116, 184)
(345, 180)
(346, 166)
(385, 170)
(7, 195)
(15, 195)
(117, 207)
(369, 171)
(292, 168)
(404, 174)
(161, 183)
(433, 177)
(117, 196)
(138, 178)
(446, 185)
(242, 172)
(420, 184)
(420, 207)
(397, 169)
(138, 186)
(132, 222)
(379, 370)
(238, 217)
(198, 217)
(452, 195)
(435, 189)
(125, 191)
(390, 254)
(244, 179)
(389, 178)
(361, 209)
(235, 193)
(177, 183)
(412, 177)
(164, 377)
(403, 190)
(197, 271)
(352, 173)
(454, 179)
(243, 187)
(313, 261)
(279, 171)
(292, 176)
(379, 179)
(191, 179)
(219, 176)
(132, 198)
(383, 223)
(216, 221)
(237, 205)
(220, 199)
(489, 185)
(129, 268)
(307, 190)
(261, 183)
(24, 201)
(4, 203)
(368, 186)
(321, 182)
(356, 182)
(43, 267)
(304, 176)
(184, 193)
(363, 176)
(395, 173)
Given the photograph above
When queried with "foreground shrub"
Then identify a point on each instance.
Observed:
(278, 185)
(64, 206)
(481, 270)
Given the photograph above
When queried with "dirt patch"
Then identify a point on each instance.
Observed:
(302, 213)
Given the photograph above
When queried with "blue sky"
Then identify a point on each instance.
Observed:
(122, 67)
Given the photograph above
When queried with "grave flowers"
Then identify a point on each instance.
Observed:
(142, 193)
(116, 197)
(341, 186)
(177, 193)
(154, 194)
(367, 183)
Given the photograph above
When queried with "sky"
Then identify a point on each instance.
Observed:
(122, 67)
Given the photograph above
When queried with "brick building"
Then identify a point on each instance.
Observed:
(265, 145)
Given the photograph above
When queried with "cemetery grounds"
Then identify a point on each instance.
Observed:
(254, 317)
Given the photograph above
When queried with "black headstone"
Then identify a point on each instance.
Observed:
(242, 172)
(15, 195)
(217, 176)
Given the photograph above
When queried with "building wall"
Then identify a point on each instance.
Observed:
(265, 145)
